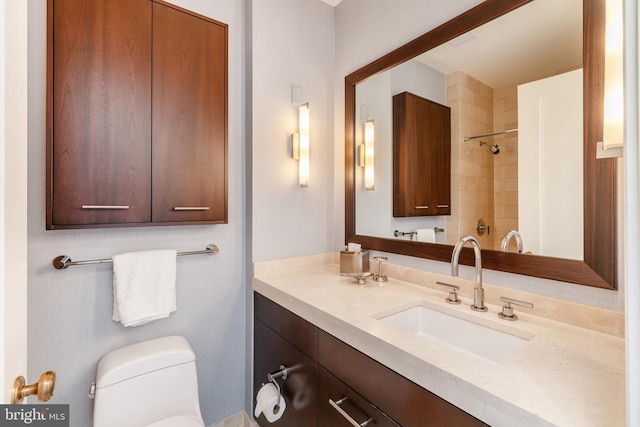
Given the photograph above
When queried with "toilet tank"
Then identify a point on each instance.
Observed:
(147, 383)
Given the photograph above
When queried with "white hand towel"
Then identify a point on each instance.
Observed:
(426, 235)
(144, 286)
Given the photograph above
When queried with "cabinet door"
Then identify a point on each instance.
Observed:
(99, 116)
(298, 390)
(440, 147)
(189, 117)
(421, 157)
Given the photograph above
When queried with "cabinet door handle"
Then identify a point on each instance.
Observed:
(354, 423)
(191, 208)
(421, 207)
(443, 206)
(104, 207)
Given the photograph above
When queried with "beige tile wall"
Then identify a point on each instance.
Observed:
(472, 165)
(505, 183)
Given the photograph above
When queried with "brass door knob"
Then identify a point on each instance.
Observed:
(43, 388)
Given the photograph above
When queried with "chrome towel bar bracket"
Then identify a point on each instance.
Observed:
(63, 261)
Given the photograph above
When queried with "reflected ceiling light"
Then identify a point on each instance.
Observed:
(493, 147)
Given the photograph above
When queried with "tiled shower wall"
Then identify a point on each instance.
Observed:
(484, 185)
(472, 165)
(505, 172)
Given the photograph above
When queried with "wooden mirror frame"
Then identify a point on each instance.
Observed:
(599, 268)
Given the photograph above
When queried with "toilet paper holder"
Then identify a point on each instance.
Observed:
(272, 377)
(282, 373)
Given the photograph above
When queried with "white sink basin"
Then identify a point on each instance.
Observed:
(457, 334)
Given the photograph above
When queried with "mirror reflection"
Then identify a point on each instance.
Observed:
(520, 72)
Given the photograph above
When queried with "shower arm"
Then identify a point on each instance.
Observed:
(490, 134)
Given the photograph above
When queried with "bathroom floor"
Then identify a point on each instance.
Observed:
(238, 420)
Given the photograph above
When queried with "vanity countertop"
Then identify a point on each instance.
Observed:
(563, 376)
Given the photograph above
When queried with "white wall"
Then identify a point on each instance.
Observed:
(70, 324)
(292, 44)
(368, 29)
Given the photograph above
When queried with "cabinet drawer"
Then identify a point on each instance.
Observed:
(293, 328)
(404, 401)
(337, 402)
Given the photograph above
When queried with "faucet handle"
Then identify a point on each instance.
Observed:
(453, 293)
(507, 310)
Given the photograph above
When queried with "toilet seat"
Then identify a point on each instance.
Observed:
(178, 421)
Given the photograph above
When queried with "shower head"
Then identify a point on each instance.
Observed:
(494, 148)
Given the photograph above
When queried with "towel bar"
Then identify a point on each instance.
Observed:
(63, 261)
(411, 233)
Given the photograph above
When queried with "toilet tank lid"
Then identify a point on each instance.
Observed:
(141, 358)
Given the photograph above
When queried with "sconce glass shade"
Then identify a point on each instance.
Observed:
(369, 150)
(304, 145)
(613, 135)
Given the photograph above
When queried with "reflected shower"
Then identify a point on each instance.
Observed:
(493, 147)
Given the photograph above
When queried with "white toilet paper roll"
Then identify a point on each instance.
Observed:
(270, 402)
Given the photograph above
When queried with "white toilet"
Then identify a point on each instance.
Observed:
(148, 384)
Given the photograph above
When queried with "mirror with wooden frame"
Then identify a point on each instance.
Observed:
(599, 265)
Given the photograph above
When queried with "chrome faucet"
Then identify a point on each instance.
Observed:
(478, 292)
(507, 239)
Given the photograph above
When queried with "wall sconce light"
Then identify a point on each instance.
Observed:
(613, 133)
(300, 140)
(366, 155)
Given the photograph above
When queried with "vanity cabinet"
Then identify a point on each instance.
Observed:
(371, 389)
(421, 157)
(136, 115)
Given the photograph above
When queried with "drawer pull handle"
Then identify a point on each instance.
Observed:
(421, 207)
(443, 206)
(104, 207)
(354, 423)
(191, 208)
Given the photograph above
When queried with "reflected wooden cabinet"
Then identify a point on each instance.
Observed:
(332, 384)
(421, 157)
(136, 115)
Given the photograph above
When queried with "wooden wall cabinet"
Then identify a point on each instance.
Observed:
(371, 390)
(136, 115)
(421, 157)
